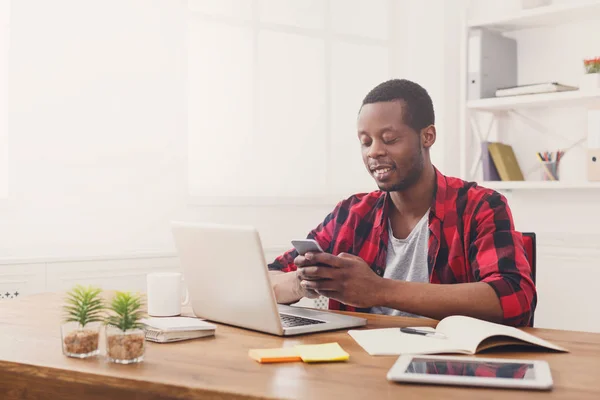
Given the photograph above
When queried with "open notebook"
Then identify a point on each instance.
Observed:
(455, 334)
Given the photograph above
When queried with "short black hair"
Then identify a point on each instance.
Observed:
(418, 105)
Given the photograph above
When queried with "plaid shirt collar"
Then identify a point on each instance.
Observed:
(438, 205)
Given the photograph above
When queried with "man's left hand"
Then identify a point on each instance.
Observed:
(346, 278)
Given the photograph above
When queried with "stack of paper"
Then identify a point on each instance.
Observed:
(308, 353)
(173, 329)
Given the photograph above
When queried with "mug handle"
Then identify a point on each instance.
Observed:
(186, 301)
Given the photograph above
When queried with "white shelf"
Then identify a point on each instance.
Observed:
(541, 16)
(559, 99)
(537, 185)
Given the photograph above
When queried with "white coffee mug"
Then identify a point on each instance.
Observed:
(164, 292)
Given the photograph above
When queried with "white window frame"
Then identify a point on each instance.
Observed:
(330, 198)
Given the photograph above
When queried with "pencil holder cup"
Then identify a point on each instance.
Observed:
(549, 171)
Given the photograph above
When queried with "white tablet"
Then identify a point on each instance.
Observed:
(472, 371)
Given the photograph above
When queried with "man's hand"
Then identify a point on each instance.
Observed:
(287, 288)
(346, 278)
(302, 290)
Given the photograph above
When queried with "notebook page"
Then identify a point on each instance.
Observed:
(391, 342)
(470, 332)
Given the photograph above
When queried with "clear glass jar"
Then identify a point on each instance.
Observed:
(125, 347)
(550, 171)
(80, 342)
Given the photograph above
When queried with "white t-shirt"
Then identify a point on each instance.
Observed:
(407, 260)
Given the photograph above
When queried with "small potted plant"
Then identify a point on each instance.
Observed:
(591, 78)
(125, 336)
(84, 313)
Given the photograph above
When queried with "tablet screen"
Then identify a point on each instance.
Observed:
(510, 370)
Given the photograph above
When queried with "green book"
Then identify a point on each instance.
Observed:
(505, 161)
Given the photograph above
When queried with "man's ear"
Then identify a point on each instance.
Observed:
(428, 136)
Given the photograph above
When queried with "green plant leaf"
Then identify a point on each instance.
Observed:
(84, 305)
(126, 311)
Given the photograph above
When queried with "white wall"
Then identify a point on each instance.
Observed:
(97, 122)
(427, 32)
(98, 138)
(98, 131)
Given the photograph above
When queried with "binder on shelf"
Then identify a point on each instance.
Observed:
(506, 162)
(490, 172)
(491, 64)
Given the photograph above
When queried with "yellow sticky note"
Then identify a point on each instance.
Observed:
(286, 354)
(322, 352)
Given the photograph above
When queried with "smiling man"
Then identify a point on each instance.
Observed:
(425, 244)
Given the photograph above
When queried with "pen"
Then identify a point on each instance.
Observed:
(414, 331)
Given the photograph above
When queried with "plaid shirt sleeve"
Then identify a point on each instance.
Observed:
(323, 234)
(498, 257)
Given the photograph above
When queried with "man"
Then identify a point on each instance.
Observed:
(424, 244)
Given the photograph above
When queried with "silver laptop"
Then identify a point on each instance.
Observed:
(227, 277)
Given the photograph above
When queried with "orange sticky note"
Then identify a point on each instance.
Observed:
(285, 354)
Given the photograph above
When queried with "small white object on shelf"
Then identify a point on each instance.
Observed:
(590, 82)
(593, 164)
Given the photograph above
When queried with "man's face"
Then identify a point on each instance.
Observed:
(391, 150)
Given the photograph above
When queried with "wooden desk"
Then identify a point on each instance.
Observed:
(32, 366)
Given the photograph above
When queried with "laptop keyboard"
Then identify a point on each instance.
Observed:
(289, 321)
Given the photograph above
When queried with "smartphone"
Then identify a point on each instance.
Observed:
(304, 246)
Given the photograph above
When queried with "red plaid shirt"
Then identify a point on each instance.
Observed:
(471, 239)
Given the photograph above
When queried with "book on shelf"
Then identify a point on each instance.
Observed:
(535, 88)
(505, 161)
(490, 172)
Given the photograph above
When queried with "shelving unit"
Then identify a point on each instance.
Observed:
(551, 15)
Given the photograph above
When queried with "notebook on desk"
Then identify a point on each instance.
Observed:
(455, 334)
(174, 329)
